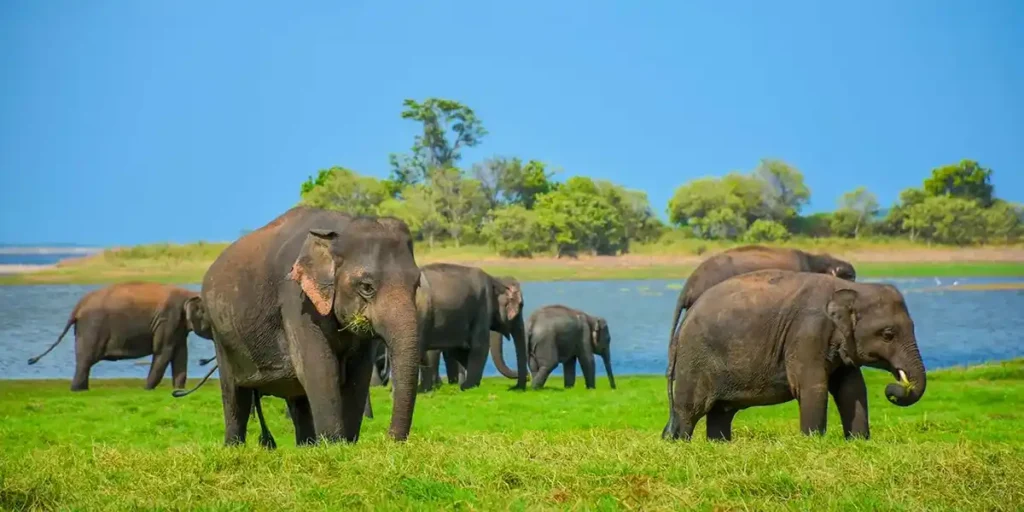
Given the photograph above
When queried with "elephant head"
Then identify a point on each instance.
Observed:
(600, 340)
(508, 321)
(196, 317)
(827, 264)
(874, 328)
(366, 278)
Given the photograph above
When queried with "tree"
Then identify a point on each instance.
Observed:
(763, 230)
(448, 127)
(460, 202)
(721, 224)
(785, 192)
(965, 179)
(696, 199)
(893, 222)
(513, 231)
(946, 219)
(638, 220)
(418, 209)
(576, 218)
(856, 208)
(1004, 221)
(338, 188)
(508, 181)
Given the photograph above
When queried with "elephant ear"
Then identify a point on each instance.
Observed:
(512, 301)
(315, 267)
(841, 310)
(196, 317)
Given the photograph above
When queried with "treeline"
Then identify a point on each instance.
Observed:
(517, 207)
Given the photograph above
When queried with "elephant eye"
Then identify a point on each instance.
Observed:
(366, 289)
(888, 334)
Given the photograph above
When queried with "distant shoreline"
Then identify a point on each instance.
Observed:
(189, 268)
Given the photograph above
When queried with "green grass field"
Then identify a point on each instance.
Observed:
(118, 447)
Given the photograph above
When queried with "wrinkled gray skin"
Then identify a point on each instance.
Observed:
(771, 336)
(282, 300)
(750, 258)
(132, 320)
(559, 334)
(463, 306)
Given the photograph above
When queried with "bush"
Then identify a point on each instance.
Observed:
(766, 231)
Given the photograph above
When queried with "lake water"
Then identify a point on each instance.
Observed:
(953, 327)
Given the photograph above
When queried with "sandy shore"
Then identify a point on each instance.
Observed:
(21, 269)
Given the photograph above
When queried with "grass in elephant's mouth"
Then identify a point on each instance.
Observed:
(120, 447)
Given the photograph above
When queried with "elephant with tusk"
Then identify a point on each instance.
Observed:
(772, 336)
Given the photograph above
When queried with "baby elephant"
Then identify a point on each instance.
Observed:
(559, 334)
(132, 320)
(771, 336)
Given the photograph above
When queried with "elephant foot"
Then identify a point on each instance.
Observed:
(79, 388)
(268, 442)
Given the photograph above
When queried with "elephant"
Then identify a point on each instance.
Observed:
(453, 369)
(295, 306)
(749, 258)
(771, 336)
(464, 305)
(131, 320)
(560, 334)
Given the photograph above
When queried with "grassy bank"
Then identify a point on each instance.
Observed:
(669, 259)
(119, 447)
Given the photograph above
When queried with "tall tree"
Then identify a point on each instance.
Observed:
(785, 190)
(858, 205)
(508, 181)
(965, 179)
(448, 127)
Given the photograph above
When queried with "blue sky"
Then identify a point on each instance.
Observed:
(130, 122)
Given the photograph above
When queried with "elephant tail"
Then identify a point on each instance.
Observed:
(266, 438)
(204, 362)
(178, 393)
(71, 321)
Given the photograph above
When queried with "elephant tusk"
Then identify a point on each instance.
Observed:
(905, 382)
(903, 377)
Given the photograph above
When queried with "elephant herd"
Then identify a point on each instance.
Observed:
(317, 305)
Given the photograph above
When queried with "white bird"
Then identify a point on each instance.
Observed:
(937, 282)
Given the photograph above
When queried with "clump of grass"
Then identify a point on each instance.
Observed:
(489, 448)
(359, 324)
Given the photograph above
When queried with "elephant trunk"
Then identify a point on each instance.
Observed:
(402, 334)
(607, 358)
(909, 371)
(498, 356)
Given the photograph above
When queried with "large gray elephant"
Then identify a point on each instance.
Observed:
(560, 334)
(295, 307)
(771, 336)
(463, 306)
(749, 258)
(454, 370)
(132, 320)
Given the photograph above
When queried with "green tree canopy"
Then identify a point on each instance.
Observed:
(965, 179)
(338, 188)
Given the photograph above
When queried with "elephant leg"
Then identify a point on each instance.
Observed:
(355, 391)
(719, 423)
(451, 367)
(85, 357)
(157, 369)
(179, 365)
(302, 419)
(569, 372)
(429, 378)
(847, 387)
(813, 399)
(476, 361)
(542, 375)
(685, 410)
(589, 370)
(238, 405)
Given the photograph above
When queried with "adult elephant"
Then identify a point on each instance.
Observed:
(458, 314)
(454, 370)
(560, 334)
(295, 307)
(132, 320)
(771, 336)
(750, 258)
